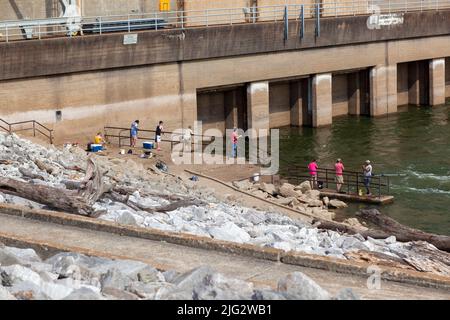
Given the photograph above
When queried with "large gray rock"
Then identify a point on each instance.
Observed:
(18, 273)
(8, 259)
(149, 274)
(5, 295)
(219, 287)
(84, 294)
(184, 284)
(229, 232)
(119, 294)
(170, 275)
(287, 190)
(267, 295)
(126, 218)
(26, 290)
(147, 290)
(268, 188)
(298, 286)
(313, 194)
(55, 291)
(115, 279)
(24, 255)
(337, 204)
(243, 185)
(303, 187)
(347, 294)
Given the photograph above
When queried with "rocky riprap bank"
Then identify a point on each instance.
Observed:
(25, 161)
(71, 276)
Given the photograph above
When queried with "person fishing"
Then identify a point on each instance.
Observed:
(367, 172)
(339, 167)
(313, 167)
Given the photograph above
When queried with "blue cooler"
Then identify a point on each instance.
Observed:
(96, 147)
(149, 145)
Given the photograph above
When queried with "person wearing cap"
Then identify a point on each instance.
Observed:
(339, 166)
(367, 172)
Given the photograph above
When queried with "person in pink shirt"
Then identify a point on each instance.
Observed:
(234, 142)
(312, 167)
(339, 166)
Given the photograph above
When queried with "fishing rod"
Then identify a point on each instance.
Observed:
(390, 175)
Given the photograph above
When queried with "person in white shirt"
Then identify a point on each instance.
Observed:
(367, 172)
(187, 138)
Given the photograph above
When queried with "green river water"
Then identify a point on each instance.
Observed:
(414, 142)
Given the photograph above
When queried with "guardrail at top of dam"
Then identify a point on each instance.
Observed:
(56, 27)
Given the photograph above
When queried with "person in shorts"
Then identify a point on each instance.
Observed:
(159, 133)
(134, 133)
(339, 166)
(312, 168)
(367, 172)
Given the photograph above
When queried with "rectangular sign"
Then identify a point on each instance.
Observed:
(390, 19)
(131, 38)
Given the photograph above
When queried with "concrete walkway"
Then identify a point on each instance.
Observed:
(31, 233)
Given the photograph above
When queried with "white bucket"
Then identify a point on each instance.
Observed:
(256, 177)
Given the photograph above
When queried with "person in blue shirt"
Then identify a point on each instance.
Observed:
(134, 133)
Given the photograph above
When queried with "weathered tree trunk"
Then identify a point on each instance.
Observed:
(387, 227)
(73, 201)
(404, 233)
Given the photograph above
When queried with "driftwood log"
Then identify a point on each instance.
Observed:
(79, 201)
(401, 232)
(386, 227)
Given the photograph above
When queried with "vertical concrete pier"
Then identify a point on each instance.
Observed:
(437, 81)
(322, 100)
(418, 83)
(258, 105)
(296, 99)
(383, 90)
(354, 94)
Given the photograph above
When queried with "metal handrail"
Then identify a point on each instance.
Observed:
(352, 179)
(36, 127)
(13, 29)
(121, 136)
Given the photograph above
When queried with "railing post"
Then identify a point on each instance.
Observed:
(207, 22)
(129, 24)
(357, 184)
(318, 20)
(156, 20)
(34, 128)
(6, 33)
(100, 24)
(39, 30)
(379, 187)
(335, 9)
(182, 20)
(302, 19)
(326, 177)
(286, 23)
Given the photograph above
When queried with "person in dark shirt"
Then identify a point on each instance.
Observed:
(134, 133)
(159, 133)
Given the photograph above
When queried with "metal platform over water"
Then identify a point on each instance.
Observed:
(353, 197)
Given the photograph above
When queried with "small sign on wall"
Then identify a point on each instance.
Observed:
(131, 38)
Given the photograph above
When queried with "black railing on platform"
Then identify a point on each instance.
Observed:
(353, 180)
(124, 134)
(31, 125)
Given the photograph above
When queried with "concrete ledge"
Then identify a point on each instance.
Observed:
(143, 233)
(361, 269)
(270, 254)
(34, 58)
